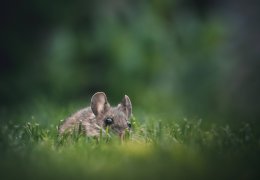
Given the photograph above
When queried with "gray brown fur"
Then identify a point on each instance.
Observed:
(93, 118)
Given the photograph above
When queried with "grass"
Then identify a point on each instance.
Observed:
(155, 149)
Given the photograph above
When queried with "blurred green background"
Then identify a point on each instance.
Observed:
(173, 58)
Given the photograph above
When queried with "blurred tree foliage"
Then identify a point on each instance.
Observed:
(177, 57)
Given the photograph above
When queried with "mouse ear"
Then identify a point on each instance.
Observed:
(99, 103)
(126, 106)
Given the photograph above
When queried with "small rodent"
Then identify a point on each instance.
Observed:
(99, 115)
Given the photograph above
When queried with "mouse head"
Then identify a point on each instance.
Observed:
(117, 118)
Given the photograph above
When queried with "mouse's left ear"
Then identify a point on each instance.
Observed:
(126, 106)
(99, 103)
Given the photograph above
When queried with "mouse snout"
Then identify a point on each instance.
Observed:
(124, 134)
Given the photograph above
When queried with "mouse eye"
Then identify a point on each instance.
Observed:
(129, 124)
(109, 121)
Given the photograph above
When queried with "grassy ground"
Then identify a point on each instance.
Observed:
(155, 149)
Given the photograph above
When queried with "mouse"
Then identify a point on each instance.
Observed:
(99, 116)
